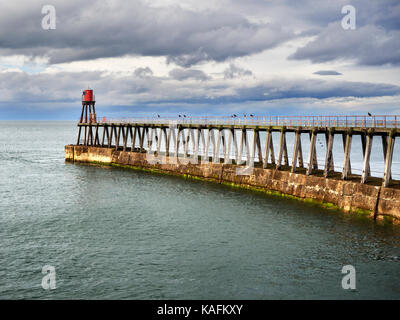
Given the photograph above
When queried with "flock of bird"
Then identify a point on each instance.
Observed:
(232, 116)
(235, 116)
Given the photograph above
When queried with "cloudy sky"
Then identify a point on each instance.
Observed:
(195, 57)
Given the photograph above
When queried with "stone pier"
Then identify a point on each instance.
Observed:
(372, 199)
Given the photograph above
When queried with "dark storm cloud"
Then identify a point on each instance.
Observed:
(374, 42)
(327, 73)
(96, 29)
(66, 87)
(368, 45)
(317, 89)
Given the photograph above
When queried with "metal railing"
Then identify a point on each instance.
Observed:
(375, 121)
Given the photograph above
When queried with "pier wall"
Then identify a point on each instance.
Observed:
(351, 196)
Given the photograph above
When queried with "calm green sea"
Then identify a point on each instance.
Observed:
(121, 234)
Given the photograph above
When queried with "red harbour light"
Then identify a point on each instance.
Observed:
(87, 95)
(88, 114)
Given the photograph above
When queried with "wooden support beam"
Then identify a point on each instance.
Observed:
(235, 146)
(168, 142)
(315, 158)
(223, 142)
(385, 148)
(241, 143)
(344, 140)
(206, 147)
(384, 145)
(93, 136)
(285, 152)
(140, 137)
(331, 163)
(186, 139)
(347, 152)
(271, 151)
(214, 145)
(282, 145)
(259, 150)
(81, 118)
(150, 134)
(117, 136)
(312, 153)
(295, 150)
(125, 137)
(178, 138)
(388, 161)
(244, 144)
(79, 135)
(216, 151)
(268, 142)
(253, 149)
(201, 139)
(155, 138)
(111, 136)
(364, 146)
(300, 154)
(96, 136)
(165, 139)
(103, 136)
(227, 154)
(367, 154)
(107, 133)
(159, 139)
(86, 136)
(132, 133)
(116, 130)
(329, 155)
(90, 141)
(194, 144)
(197, 145)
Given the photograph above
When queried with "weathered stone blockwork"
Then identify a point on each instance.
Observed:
(347, 195)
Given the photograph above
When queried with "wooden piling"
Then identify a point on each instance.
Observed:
(329, 154)
(79, 135)
(367, 156)
(388, 161)
(296, 147)
(312, 152)
(282, 145)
